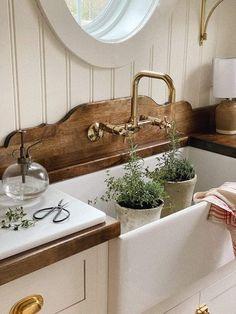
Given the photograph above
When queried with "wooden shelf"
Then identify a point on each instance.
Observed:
(214, 142)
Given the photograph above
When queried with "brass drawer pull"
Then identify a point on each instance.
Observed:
(203, 309)
(29, 305)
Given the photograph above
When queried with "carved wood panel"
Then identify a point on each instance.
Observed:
(66, 151)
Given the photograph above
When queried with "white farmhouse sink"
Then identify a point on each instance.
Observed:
(82, 216)
(151, 263)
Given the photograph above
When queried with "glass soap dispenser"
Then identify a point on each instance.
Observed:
(25, 179)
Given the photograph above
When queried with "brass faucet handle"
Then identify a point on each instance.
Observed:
(29, 305)
(203, 309)
(119, 129)
(163, 123)
(166, 123)
(95, 132)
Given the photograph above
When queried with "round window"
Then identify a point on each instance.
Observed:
(86, 12)
(107, 33)
(111, 20)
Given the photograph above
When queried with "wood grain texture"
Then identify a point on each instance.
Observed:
(66, 150)
(19, 31)
(26, 262)
(216, 143)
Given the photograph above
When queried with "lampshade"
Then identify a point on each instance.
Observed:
(224, 78)
(224, 86)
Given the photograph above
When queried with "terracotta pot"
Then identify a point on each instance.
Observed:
(134, 218)
(179, 195)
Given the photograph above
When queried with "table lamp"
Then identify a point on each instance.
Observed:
(224, 86)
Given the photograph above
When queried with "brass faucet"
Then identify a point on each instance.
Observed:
(96, 130)
(134, 95)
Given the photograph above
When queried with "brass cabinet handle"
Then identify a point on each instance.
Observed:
(203, 309)
(29, 305)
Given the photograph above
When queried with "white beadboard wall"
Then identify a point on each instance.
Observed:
(40, 80)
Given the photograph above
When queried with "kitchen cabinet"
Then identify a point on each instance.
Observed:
(77, 284)
(217, 290)
(220, 296)
(188, 306)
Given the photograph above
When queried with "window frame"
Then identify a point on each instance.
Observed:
(104, 54)
(112, 11)
(113, 18)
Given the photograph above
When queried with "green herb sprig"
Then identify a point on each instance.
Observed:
(15, 219)
(171, 167)
(134, 189)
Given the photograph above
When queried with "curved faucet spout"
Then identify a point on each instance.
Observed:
(96, 130)
(134, 93)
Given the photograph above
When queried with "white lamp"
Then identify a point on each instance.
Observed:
(224, 86)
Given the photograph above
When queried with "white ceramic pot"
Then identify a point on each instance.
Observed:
(134, 218)
(179, 195)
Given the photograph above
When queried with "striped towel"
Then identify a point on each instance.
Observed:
(223, 206)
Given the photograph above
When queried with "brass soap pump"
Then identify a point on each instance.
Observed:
(25, 179)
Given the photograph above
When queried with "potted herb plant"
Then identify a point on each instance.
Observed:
(177, 174)
(138, 198)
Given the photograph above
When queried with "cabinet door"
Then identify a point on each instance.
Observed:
(221, 296)
(79, 281)
(189, 306)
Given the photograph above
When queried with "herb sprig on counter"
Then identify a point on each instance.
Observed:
(15, 219)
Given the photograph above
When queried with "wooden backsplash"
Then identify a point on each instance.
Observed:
(66, 151)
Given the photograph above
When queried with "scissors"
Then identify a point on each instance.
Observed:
(60, 208)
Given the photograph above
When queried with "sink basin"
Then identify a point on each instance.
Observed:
(151, 263)
(82, 216)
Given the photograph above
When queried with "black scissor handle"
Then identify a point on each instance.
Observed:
(60, 211)
(47, 212)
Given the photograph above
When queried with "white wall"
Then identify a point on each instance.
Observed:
(40, 80)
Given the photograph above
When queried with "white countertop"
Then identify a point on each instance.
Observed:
(82, 216)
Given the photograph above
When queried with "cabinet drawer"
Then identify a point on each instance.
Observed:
(188, 306)
(61, 285)
(220, 297)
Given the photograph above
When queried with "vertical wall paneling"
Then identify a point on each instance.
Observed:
(151, 69)
(169, 54)
(41, 80)
(28, 62)
(208, 53)
(160, 60)
(142, 62)
(193, 62)
(226, 42)
(225, 32)
(91, 83)
(177, 55)
(113, 83)
(81, 90)
(185, 57)
(14, 63)
(8, 114)
(123, 77)
(42, 67)
(56, 83)
(68, 80)
(102, 84)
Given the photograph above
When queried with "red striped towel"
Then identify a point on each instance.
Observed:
(223, 206)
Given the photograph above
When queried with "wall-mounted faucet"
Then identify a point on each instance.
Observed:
(96, 130)
(134, 94)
